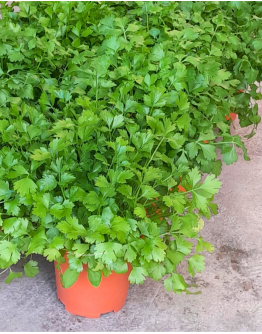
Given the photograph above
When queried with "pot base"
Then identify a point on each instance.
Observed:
(87, 315)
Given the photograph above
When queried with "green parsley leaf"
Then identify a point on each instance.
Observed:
(137, 275)
(107, 251)
(69, 277)
(94, 277)
(9, 251)
(12, 276)
(25, 186)
(196, 264)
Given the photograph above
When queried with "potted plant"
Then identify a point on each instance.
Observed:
(108, 118)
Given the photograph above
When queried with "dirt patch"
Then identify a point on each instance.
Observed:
(247, 285)
(234, 255)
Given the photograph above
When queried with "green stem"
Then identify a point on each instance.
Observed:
(213, 34)
(125, 34)
(4, 271)
(62, 189)
(96, 89)
(39, 63)
(155, 152)
(136, 199)
(223, 142)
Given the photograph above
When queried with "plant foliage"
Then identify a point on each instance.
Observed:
(112, 115)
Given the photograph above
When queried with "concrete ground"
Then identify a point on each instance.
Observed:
(231, 285)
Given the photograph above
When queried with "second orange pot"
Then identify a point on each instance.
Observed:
(231, 116)
(83, 299)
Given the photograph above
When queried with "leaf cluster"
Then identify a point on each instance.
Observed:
(107, 111)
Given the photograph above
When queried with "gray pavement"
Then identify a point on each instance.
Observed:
(231, 285)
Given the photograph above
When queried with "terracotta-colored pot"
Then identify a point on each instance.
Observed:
(83, 299)
(231, 116)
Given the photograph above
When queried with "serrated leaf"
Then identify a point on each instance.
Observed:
(102, 182)
(41, 205)
(66, 178)
(71, 228)
(257, 43)
(37, 243)
(12, 276)
(192, 149)
(183, 246)
(140, 211)
(155, 99)
(86, 32)
(124, 175)
(175, 257)
(176, 283)
(107, 251)
(4, 190)
(157, 271)
(190, 34)
(196, 264)
(209, 151)
(125, 190)
(204, 245)
(18, 170)
(25, 186)
(57, 242)
(113, 43)
(211, 185)
(132, 27)
(221, 76)
(12, 207)
(48, 182)
(62, 210)
(9, 252)
(182, 103)
(130, 254)
(27, 92)
(80, 249)
(149, 192)
(152, 174)
(137, 275)
(157, 52)
(41, 154)
(75, 263)
(10, 224)
(176, 201)
(229, 155)
(194, 176)
(31, 268)
(119, 267)
(154, 250)
(117, 121)
(52, 254)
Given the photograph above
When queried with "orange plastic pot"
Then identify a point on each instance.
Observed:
(83, 299)
(231, 116)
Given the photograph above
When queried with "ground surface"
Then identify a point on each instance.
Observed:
(231, 286)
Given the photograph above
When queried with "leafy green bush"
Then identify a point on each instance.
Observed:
(106, 107)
